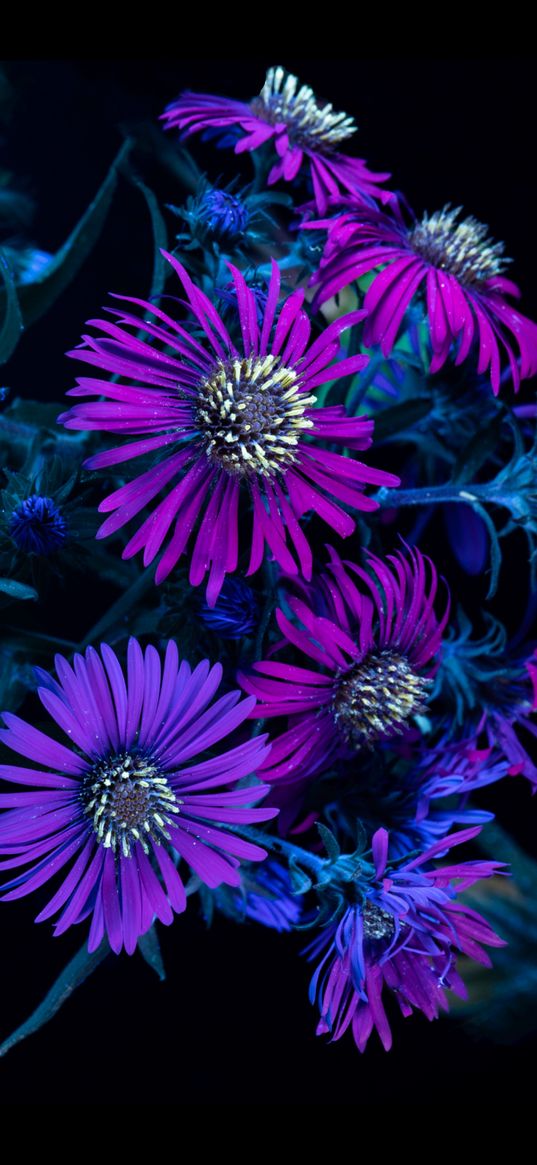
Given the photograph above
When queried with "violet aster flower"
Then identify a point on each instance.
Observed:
(457, 267)
(222, 421)
(374, 658)
(130, 794)
(402, 932)
(288, 114)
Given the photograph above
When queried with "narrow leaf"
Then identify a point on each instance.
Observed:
(75, 973)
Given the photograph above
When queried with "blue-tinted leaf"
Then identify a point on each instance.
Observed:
(149, 947)
(75, 973)
(17, 590)
(12, 325)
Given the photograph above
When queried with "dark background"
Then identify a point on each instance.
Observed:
(232, 1024)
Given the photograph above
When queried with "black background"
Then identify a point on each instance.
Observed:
(232, 1024)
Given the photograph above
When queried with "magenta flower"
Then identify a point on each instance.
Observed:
(457, 267)
(288, 114)
(224, 423)
(403, 935)
(131, 795)
(374, 659)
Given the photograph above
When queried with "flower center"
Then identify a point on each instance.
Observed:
(377, 923)
(464, 248)
(128, 801)
(251, 414)
(37, 526)
(377, 697)
(284, 101)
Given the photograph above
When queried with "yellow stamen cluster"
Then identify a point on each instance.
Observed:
(377, 697)
(283, 99)
(129, 801)
(464, 248)
(251, 415)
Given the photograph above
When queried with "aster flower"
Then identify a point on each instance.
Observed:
(459, 269)
(401, 932)
(288, 114)
(131, 794)
(374, 656)
(223, 421)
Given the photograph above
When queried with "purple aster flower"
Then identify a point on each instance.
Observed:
(402, 932)
(288, 114)
(457, 267)
(132, 794)
(223, 421)
(374, 657)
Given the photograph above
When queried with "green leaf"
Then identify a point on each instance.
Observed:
(17, 590)
(36, 298)
(149, 947)
(12, 325)
(75, 973)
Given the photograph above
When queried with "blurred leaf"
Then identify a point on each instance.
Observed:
(17, 590)
(75, 973)
(400, 417)
(12, 325)
(478, 450)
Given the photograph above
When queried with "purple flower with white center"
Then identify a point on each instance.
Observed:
(459, 270)
(402, 932)
(288, 114)
(374, 656)
(132, 795)
(224, 423)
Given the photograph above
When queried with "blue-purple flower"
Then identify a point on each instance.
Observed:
(459, 270)
(224, 422)
(287, 114)
(400, 933)
(112, 815)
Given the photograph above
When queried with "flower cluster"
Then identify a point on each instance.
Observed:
(287, 333)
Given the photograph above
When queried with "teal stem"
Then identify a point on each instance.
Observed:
(433, 495)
